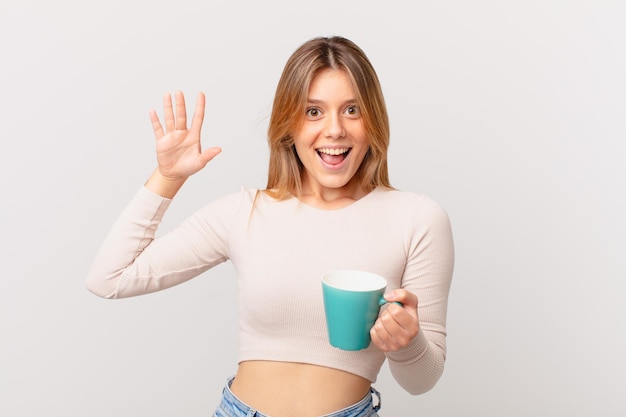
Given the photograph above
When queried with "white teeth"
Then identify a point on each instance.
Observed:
(333, 151)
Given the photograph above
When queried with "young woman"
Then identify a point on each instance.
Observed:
(328, 205)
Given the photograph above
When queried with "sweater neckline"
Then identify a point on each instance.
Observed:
(350, 206)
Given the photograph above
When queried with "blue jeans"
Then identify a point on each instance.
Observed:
(231, 406)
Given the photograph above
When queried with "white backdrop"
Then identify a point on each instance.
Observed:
(509, 113)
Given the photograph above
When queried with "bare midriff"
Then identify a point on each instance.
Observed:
(287, 389)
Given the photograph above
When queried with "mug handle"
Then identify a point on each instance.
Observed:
(382, 302)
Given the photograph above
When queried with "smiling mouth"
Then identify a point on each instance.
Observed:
(333, 156)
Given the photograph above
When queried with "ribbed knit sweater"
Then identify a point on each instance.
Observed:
(280, 250)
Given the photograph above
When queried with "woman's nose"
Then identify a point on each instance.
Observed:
(334, 127)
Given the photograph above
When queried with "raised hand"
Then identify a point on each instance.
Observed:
(178, 148)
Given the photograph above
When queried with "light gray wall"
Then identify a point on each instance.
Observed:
(511, 114)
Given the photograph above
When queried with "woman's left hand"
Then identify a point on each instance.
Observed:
(397, 325)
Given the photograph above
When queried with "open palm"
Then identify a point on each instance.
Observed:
(178, 148)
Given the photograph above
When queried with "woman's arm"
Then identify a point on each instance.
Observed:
(413, 335)
(131, 261)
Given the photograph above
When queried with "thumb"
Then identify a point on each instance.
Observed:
(210, 153)
(402, 296)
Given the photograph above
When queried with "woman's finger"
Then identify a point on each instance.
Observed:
(209, 154)
(198, 114)
(406, 315)
(381, 336)
(181, 111)
(406, 298)
(168, 113)
(156, 125)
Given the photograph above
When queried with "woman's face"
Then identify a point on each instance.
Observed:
(331, 142)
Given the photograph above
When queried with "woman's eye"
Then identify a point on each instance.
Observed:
(313, 112)
(352, 111)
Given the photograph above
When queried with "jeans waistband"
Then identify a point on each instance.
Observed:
(235, 407)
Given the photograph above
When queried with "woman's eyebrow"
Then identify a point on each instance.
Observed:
(319, 101)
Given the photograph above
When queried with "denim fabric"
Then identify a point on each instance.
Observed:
(231, 406)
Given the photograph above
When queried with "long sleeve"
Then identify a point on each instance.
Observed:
(132, 261)
(428, 274)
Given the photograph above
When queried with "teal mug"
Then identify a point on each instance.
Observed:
(352, 301)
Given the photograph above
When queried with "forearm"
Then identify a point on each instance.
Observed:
(418, 367)
(132, 232)
(133, 261)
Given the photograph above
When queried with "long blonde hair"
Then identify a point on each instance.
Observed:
(285, 168)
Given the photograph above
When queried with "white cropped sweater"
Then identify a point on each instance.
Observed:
(280, 249)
